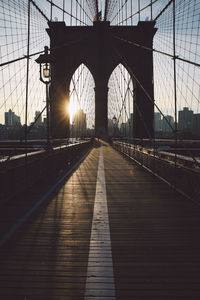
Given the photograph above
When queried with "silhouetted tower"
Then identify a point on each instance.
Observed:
(101, 48)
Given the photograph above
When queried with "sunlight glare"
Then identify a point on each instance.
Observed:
(73, 108)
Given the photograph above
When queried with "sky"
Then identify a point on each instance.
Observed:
(13, 41)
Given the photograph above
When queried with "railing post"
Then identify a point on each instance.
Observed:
(175, 92)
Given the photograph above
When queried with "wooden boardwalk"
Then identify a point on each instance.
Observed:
(147, 248)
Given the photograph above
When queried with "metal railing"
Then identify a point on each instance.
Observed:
(22, 171)
(183, 176)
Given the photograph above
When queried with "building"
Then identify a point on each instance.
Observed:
(196, 125)
(11, 119)
(168, 124)
(110, 127)
(38, 117)
(185, 120)
(79, 124)
(157, 122)
(3, 132)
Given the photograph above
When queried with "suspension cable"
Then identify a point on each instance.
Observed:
(145, 91)
(157, 51)
(40, 52)
(69, 14)
(137, 12)
(33, 2)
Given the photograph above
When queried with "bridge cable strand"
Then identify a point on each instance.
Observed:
(27, 75)
(43, 110)
(119, 89)
(163, 10)
(66, 12)
(119, 10)
(91, 8)
(123, 98)
(124, 103)
(96, 7)
(136, 13)
(81, 90)
(106, 10)
(155, 50)
(112, 9)
(20, 82)
(42, 51)
(153, 101)
(187, 44)
(81, 7)
(41, 12)
(142, 87)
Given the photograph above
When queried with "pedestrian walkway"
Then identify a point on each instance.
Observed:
(112, 231)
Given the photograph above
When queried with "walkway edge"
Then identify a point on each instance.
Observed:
(22, 220)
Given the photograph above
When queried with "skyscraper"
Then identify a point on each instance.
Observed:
(38, 117)
(80, 123)
(11, 119)
(185, 117)
(157, 121)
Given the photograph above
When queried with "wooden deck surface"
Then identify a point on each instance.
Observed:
(154, 238)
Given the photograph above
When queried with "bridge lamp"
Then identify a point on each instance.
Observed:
(45, 60)
(114, 119)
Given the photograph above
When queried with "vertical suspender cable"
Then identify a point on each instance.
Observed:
(151, 11)
(175, 93)
(122, 15)
(106, 10)
(118, 17)
(71, 14)
(126, 13)
(76, 13)
(131, 12)
(97, 7)
(51, 10)
(63, 10)
(27, 70)
(80, 15)
(139, 10)
(84, 15)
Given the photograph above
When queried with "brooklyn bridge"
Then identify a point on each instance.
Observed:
(99, 149)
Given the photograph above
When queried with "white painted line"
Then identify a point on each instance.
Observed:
(100, 277)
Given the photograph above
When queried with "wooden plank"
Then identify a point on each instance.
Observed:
(154, 238)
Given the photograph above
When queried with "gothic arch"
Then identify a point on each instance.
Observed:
(82, 96)
(101, 48)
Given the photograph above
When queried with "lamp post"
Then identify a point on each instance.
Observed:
(73, 123)
(114, 119)
(44, 60)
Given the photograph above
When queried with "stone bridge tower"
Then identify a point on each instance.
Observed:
(101, 48)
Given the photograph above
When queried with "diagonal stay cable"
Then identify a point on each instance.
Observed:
(90, 8)
(106, 10)
(64, 11)
(144, 90)
(40, 52)
(119, 10)
(156, 51)
(137, 12)
(162, 11)
(83, 10)
(123, 97)
(112, 9)
(41, 12)
(97, 6)
(152, 100)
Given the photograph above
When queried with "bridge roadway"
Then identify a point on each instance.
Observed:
(122, 236)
